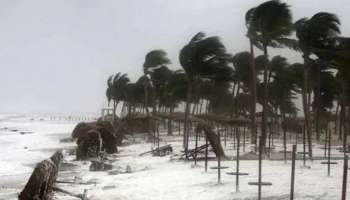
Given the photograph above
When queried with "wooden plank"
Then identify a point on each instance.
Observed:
(261, 184)
(327, 162)
(221, 167)
(237, 174)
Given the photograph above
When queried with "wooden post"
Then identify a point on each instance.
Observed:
(304, 147)
(284, 146)
(219, 161)
(293, 173)
(329, 153)
(234, 137)
(237, 163)
(325, 145)
(157, 129)
(345, 177)
(195, 151)
(225, 135)
(260, 167)
(206, 154)
(270, 135)
(244, 129)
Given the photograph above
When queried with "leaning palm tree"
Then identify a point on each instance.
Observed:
(314, 33)
(116, 90)
(270, 21)
(154, 59)
(202, 56)
(252, 40)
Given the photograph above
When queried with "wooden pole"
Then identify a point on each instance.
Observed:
(195, 151)
(293, 173)
(244, 138)
(260, 167)
(304, 147)
(225, 135)
(157, 128)
(206, 154)
(345, 177)
(325, 144)
(237, 163)
(219, 160)
(270, 135)
(284, 146)
(329, 154)
(234, 137)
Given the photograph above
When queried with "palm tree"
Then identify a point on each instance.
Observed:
(270, 21)
(202, 56)
(313, 33)
(252, 40)
(154, 59)
(116, 90)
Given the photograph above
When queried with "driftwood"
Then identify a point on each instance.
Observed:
(40, 183)
(212, 139)
(79, 196)
(163, 150)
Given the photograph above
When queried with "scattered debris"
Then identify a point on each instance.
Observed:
(100, 166)
(79, 196)
(161, 151)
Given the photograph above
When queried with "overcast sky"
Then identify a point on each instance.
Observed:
(55, 55)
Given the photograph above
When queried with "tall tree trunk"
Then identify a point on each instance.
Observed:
(264, 106)
(187, 112)
(318, 105)
(344, 121)
(170, 126)
(146, 107)
(336, 121)
(114, 111)
(236, 100)
(253, 134)
(306, 105)
(233, 99)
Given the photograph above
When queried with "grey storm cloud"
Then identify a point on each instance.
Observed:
(55, 55)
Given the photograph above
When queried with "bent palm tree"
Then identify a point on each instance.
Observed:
(270, 21)
(154, 59)
(313, 33)
(202, 56)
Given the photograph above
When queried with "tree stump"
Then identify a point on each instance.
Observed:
(40, 183)
(89, 145)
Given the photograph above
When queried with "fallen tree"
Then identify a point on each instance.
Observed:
(212, 138)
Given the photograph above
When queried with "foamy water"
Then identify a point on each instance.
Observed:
(24, 141)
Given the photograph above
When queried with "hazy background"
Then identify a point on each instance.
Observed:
(55, 55)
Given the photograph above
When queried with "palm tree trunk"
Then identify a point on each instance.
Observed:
(233, 99)
(170, 127)
(236, 100)
(344, 122)
(306, 106)
(318, 106)
(187, 112)
(114, 110)
(146, 107)
(336, 121)
(264, 106)
(253, 134)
